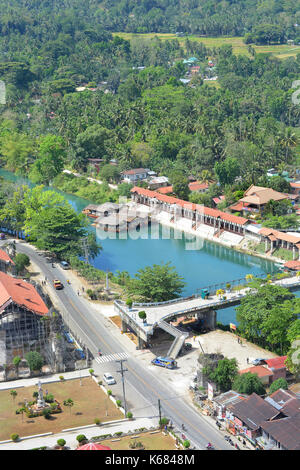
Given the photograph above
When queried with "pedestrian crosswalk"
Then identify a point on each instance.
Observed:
(111, 357)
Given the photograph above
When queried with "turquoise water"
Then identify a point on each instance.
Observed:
(208, 264)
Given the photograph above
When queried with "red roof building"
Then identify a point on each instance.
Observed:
(207, 213)
(21, 293)
(22, 312)
(264, 374)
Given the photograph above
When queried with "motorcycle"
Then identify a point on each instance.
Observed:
(99, 352)
(210, 446)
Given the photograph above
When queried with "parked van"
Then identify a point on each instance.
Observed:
(167, 362)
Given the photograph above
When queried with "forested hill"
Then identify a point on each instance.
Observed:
(206, 17)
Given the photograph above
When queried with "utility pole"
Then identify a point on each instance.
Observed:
(159, 410)
(123, 384)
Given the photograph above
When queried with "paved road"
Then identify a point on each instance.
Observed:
(142, 388)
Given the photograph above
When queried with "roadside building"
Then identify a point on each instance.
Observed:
(264, 374)
(22, 313)
(282, 433)
(277, 366)
(223, 401)
(247, 416)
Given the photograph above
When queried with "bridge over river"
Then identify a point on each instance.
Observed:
(160, 313)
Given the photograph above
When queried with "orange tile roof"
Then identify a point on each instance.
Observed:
(22, 293)
(165, 190)
(197, 185)
(4, 257)
(189, 205)
(261, 371)
(295, 185)
(266, 232)
(295, 265)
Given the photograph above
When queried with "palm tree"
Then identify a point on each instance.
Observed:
(13, 393)
(288, 140)
(69, 402)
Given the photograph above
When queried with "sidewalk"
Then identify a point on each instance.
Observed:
(70, 436)
(46, 379)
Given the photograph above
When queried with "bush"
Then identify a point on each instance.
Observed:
(61, 442)
(49, 398)
(46, 413)
(14, 436)
(118, 402)
(61, 377)
(100, 382)
(91, 371)
(97, 421)
(277, 384)
(129, 415)
(81, 438)
(109, 393)
(119, 433)
(142, 315)
(35, 360)
(186, 444)
(163, 422)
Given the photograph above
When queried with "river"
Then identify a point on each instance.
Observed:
(207, 264)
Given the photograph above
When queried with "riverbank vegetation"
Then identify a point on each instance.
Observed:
(46, 219)
(269, 318)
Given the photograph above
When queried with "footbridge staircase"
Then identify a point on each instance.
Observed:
(179, 338)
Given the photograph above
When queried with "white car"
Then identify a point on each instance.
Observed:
(108, 378)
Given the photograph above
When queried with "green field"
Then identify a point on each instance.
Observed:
(237, 43)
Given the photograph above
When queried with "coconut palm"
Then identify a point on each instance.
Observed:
(69, 402)
(13, 393)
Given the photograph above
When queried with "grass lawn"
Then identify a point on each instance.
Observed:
(150, 442)
(90, 402)
(282, 51)
(283, 253)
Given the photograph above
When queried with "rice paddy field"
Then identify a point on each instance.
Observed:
(281, 51)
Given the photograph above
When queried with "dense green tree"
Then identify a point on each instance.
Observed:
(51, 159)
(157, 283)
(265, 316)
(180, 184)
(227, 170)
(277, 384)
(51, 222)
(248, 383)
(224, 374)
(21, 261)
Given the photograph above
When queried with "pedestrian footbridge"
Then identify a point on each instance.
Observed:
(159, 314)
